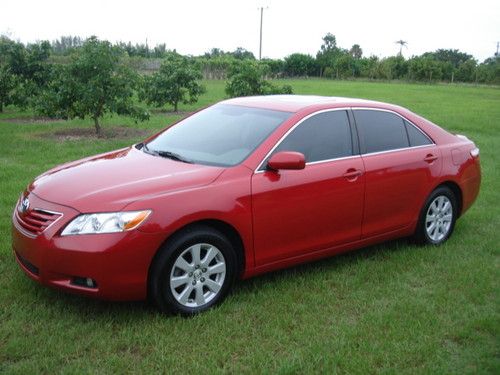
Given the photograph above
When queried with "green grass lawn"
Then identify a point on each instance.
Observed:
(393, 308)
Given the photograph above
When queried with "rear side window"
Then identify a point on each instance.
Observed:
(323, 136)
(416, 137)
(380, 131)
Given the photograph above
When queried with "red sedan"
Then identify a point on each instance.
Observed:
(246, 186)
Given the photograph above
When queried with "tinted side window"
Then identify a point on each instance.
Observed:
(380, 131)
(417, 138)
(321, 137)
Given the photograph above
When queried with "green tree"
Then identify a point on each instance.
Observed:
(247, 78)
(242, 54)
(342, 66)
(368, 66)
(402, 43)
(94, 83)
(329, 43)
(422, 68)
(177, 81)
(451, 60)
(466, 71)
(28, 65)
(276, 67)
(214, 52)
(300, 65)
(394, 67)
(216, 67)
(8, 83)
(160, 50)
(489, 71)
(453, 56)
(328, 53)
(66, 44)
(356, 52)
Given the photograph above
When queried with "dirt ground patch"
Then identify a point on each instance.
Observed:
(32, 120)
(160, 111)
(115, 132)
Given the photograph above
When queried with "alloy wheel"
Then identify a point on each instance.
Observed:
(439, 218)
(197, 275)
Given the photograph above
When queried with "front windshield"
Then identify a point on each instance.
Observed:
(219, 135)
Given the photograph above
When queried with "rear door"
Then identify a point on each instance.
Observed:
(401, 163)
(296, 212)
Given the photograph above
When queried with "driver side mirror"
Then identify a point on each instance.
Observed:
(286, 160)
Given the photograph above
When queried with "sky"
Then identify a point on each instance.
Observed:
(195, 26)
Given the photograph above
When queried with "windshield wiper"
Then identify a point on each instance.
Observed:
(166, 154)
(144, 147)
(173, 156)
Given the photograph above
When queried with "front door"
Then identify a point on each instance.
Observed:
(296, 212)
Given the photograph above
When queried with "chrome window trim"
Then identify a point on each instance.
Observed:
(318, 161)
(259, 170)
(328, 160)
(396, 150)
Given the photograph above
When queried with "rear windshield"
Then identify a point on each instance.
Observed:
(223, 135)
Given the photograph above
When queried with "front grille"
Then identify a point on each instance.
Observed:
(35, 221)
(29, 266)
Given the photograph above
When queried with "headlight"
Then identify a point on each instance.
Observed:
(105, 222)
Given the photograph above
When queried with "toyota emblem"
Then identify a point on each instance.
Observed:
(25, 204)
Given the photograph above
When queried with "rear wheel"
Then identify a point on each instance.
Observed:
(193, 272)
(438, 217)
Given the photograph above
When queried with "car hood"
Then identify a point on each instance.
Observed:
(110, 181)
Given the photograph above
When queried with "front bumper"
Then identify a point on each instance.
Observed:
(117, 262)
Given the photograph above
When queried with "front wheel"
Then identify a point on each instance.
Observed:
(438, 217)
(193, 272)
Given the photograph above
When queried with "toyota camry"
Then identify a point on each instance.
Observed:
(246, 186)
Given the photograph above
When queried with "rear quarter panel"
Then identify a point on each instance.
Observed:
(462, 168)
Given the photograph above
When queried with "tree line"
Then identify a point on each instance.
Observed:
(96, 78)
(74, 77)
(334, 62)
(331, 61)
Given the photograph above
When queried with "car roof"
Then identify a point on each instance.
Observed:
(296, 103)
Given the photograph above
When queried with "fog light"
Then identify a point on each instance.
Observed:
(85, 282)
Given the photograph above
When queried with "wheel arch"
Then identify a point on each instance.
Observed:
(225, 228)
(457, 191)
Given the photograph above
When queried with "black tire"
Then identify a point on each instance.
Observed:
(160, 291)
(422, 235)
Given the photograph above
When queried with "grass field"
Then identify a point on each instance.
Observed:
(393, 308)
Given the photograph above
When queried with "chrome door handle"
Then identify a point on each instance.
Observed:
(352, 174)
(429, 158)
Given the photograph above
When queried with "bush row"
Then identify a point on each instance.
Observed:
(98, 78)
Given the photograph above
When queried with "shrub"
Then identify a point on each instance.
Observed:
(176, 81)
(247, 78)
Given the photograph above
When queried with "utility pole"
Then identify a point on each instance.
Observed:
(496, 53)
(260, 45)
